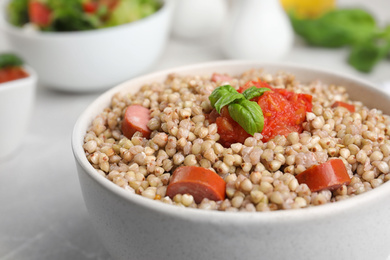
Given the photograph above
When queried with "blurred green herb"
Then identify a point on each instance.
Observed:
(10, 60)
(131, 10)
(353, 27)
(366, 54)
(246, 113)
(18, 12)
(336, 28)
(68, 15)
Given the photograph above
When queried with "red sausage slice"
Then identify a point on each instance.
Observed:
(350, 107)
(136, 119)
(328, 175)
(216, 77)
(199, 182)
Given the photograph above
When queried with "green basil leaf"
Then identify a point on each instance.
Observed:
(247, 114)
(365, 55)
(226, 100)
(9, 59)
(253, 92)
(221, 92)
(336, 28)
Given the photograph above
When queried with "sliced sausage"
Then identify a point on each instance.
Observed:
(216, 77)
(351, 108)
(199, 182)
(328, 175)
(136, 120)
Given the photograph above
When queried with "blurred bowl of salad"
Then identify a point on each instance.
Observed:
(17, 95)
(87, 45)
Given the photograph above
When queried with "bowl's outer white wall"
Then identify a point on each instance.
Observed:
(130, 231)
(133, 227)
(16, 104)
(96, 59)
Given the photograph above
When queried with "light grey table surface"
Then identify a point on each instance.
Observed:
(42, 212)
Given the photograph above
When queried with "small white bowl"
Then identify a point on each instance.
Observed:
(16, 104)
(86, 61)
(135, 227)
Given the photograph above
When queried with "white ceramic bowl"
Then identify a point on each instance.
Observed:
(134, 227)
(16, 104)
(92, 60)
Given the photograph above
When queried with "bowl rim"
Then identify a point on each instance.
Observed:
(8, 27)
(305, 214)
(31, 79)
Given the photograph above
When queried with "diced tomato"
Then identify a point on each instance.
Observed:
(299, 100)
(212, 116)
(284, 112)
(230, 131)
(257, 84)
(12, 73)
(90, 7)
(39, 13)
(277, 112)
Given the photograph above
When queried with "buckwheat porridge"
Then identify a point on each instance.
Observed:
(250, 142)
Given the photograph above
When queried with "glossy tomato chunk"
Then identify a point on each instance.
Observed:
(39, 13)
(12, 73)
(257, 84)
(284, 112)
(230, 131)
